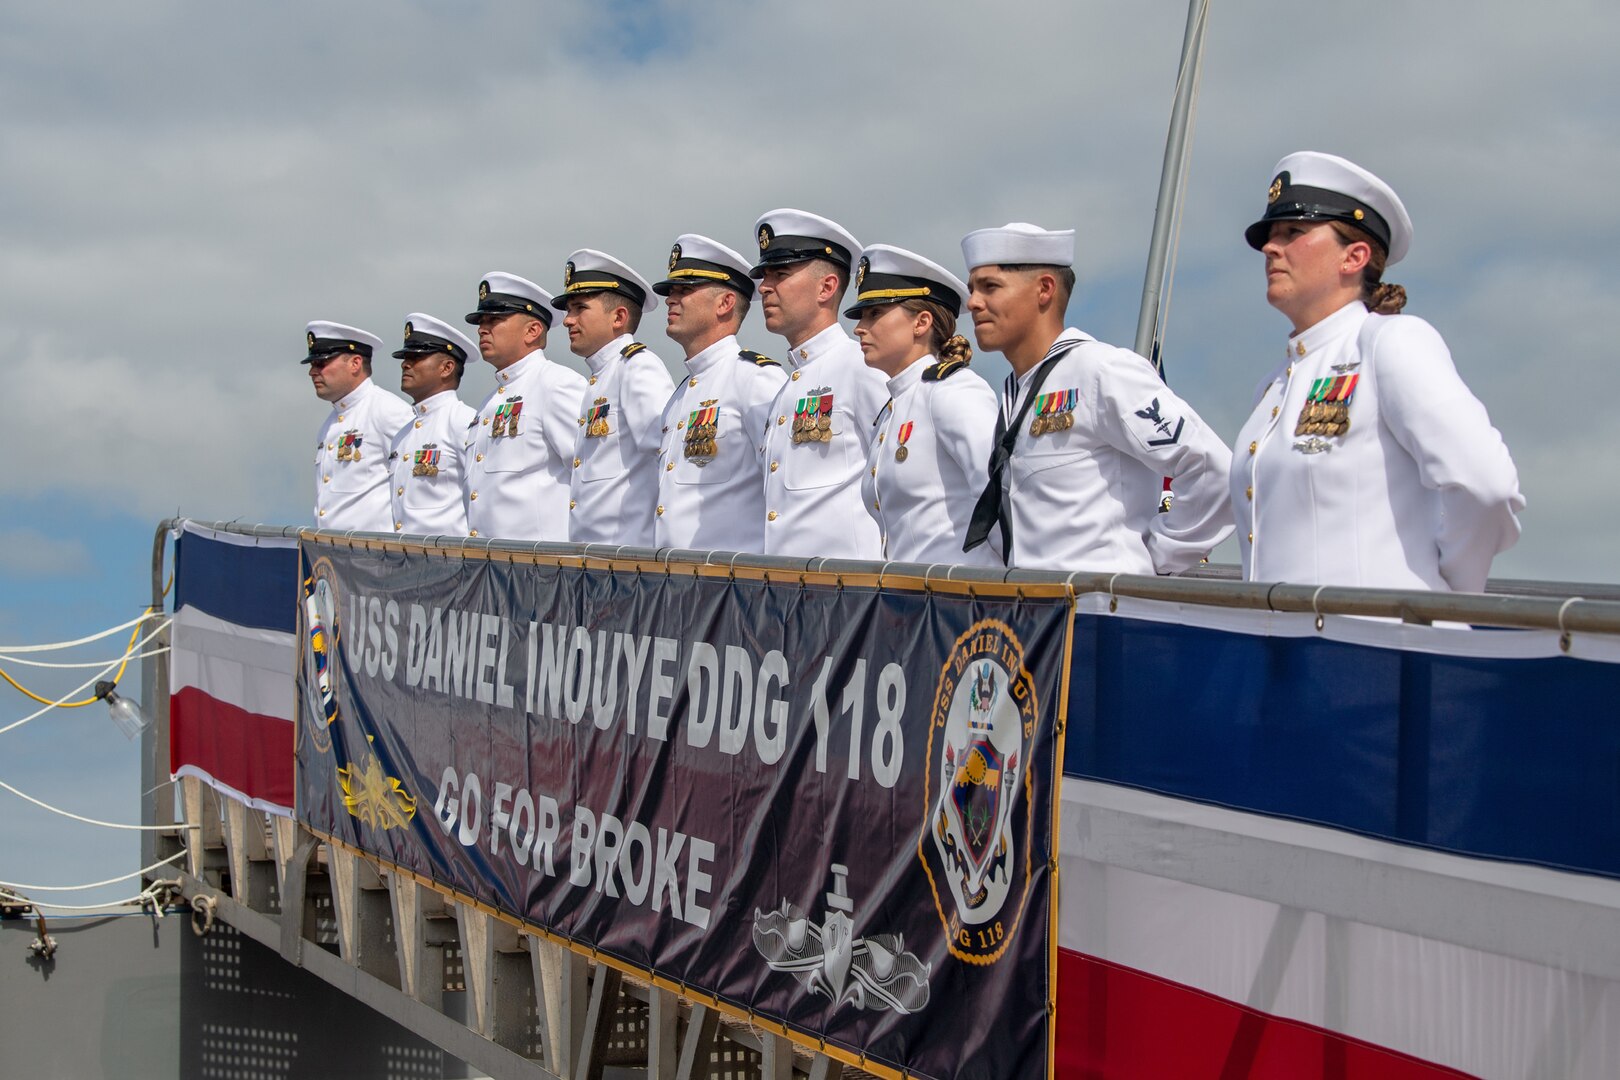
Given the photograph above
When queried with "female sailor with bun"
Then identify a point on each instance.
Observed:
(931, 451)
(1366, 460)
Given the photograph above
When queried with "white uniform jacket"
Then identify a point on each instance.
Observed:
(929, 463)
(1417, 491)
(351, 460)
(428, 460)
(711, 492)
(520, 452)
(1084, 493)
(813, 478)
(612, 493)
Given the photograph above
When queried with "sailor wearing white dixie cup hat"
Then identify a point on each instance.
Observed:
(711, 491)
(521, 447)
(428, 454)
(927, 464)
(613, 490)
(351, 451)
(1086, 432)
(1366, 460)
(817, 437)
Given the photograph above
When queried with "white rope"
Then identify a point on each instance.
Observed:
(138, 898)
(69, 644)
(82, 664)
(87, 683)
(94, 884)
(91, 821)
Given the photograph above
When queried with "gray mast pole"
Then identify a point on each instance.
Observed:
(1169, 206)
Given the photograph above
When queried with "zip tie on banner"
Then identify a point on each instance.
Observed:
(1565, 639)
(92, 821)
(84, 685)
(1320, 621)
(9, 885)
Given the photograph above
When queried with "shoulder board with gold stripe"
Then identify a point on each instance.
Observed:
(944, 370)
(631, 349)
(758, 359)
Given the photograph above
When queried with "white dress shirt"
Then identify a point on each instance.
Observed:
(1084, 495)
(1418, 492)
(928, 464)
(517, 485)
(614, 490)
(716, 503)
(351, 460)
(813, 487)
(428, 459)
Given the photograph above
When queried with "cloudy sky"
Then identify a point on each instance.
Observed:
(184, 185)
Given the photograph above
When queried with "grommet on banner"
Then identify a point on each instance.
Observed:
(1565, 639)
(1113, 601)
(1320, 621)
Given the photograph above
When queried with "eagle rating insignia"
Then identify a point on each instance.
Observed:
(871, 972)
(979, 791)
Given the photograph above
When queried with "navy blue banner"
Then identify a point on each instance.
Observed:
(1506, 759)
(833, 808)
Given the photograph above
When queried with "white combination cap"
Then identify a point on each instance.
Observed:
(592, 271)
(1018, 243)
(325, 338)
(698, 260)
(888, 275)
(507, 294)
(427, 336)
(1308, 186)
(790, 236)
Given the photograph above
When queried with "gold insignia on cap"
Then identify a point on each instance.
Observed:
(409, 329)
(309, 336)
(568, 274)
(860, 271)
(483, 290)
(1276, 190)
(1359, 215)
(764, 237)
(674, 257)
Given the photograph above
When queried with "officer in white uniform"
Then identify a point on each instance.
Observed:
(613, 491)
(428, 454)
(1366, 460)
(351, 451)
(816, 444)
(711, 488)
(927, 464)
(1087, 431)
(521, 448)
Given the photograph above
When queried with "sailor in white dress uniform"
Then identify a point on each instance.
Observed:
(927, 463)
(521, 447)
(1366, 461)
(351, 450)
(612, 493)
(711, 490)
(427, 456)
(1087, 431)
(820, 430)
